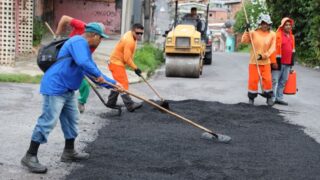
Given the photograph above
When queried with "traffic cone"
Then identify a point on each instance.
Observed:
(291, 85)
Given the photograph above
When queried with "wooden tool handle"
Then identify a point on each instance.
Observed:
(48, 26)
(152, 88)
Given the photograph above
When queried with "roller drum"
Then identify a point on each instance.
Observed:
(183, 66)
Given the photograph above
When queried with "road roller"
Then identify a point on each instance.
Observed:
(185, 43)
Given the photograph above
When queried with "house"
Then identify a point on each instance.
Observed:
(221, 18)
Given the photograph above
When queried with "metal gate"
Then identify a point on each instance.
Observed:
(16, 27)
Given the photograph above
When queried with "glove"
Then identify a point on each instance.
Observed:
(247, 27)
(138, 72)
(259, 57)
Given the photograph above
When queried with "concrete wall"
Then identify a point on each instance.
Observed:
(126, 18)
(234, 8)
(217, 15)
(138, 11)
(43, 10)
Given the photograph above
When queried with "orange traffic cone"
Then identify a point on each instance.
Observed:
(291, 85)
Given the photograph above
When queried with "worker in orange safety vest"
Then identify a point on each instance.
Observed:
(121, 56)
(264, 41)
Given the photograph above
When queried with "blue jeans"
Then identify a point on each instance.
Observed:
(279, 79)
(63, 107)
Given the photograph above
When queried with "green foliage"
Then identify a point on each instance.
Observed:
(253, 12)
(306, 28)
(20, 78)
(242, 47)
(148, 58)
(38, 31)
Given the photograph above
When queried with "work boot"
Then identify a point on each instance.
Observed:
(270, 102)
(32, 163)
(281, 102)
(251, 101)
(251, 97)
(112, 99)
(130, 105)
(81, 107)
(70, 155)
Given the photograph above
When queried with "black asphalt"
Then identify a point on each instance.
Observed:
(148, 144)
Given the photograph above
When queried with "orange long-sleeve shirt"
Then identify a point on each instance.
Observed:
(124, 51)
(264, 43)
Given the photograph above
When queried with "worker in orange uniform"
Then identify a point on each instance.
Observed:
(264, 41)
(121, 56)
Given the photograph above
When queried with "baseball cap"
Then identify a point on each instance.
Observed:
(97, 28)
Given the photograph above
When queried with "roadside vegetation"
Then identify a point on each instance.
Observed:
(38, 32)
(148, 58)
(306, 27)
(20, 78)
(245, 48)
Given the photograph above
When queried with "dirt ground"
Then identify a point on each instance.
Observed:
(149, 144)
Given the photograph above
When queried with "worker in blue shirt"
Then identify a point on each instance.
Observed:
(58, 87)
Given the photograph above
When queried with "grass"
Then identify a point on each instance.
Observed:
(20, 78)
(245, 48)
(148, 58)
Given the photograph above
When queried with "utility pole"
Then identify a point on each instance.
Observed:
(147, 21)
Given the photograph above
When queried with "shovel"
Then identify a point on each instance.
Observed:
(100, 97)
(164, 103)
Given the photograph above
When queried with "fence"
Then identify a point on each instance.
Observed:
(16, 26)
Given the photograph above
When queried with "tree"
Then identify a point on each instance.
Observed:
(305, 13)
(253, 11)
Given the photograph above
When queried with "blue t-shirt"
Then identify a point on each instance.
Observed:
(67, 73)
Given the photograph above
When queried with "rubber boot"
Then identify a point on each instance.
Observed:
(269, 98)
(70, 155)
(270, 102)
(32, 163)
(251, 101)
(281, 102)
(251, 97)
(130, 105)
(112, 99)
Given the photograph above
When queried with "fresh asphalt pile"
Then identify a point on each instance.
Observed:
(149, 144)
